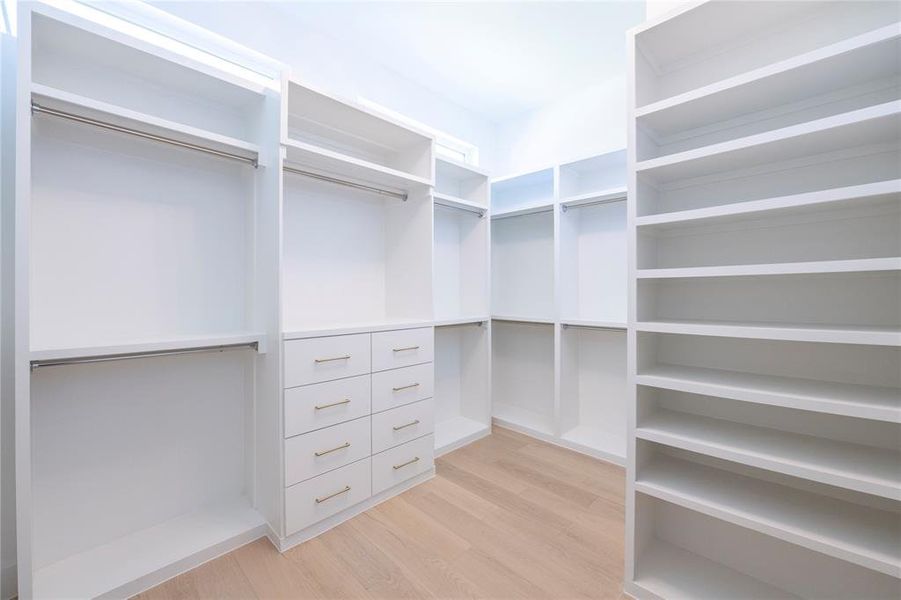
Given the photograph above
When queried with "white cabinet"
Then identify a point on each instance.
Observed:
(316, 499)
(323, 404)
(314, 453)
(326, 358)
(402, 386)
(399, 425)
(394, 466)
(402, 348)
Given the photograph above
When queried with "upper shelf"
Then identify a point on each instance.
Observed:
(465, 182)
(867, 57)
(617, 194)
(522, 192)
(873, 125)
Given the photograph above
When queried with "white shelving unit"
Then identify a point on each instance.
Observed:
(559, 304)
(136, 370)
(764, 332)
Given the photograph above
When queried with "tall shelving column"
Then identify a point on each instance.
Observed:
(764, 276)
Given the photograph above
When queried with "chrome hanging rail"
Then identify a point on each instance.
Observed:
(36, 364)
(607, 200)
(474, 211)
(37, 108)
(360, 186)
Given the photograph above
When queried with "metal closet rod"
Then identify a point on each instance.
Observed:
(359, 186)
(565, 207)
(36, 364)
(474, 211)
(37, 108)
(603, 327)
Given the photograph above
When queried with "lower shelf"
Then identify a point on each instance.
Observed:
(597, 442)
(519, 418)
(132, 563)
(667, 571)
(450, 434)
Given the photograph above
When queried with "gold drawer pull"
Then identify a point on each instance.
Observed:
(330, 496)
(324, 360)
(409, 462)
(406, 387)
(341, 447)
(339, 403)
(405, 349)
(410, 424)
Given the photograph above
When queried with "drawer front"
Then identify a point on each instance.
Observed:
(395, 388)
(314, 453)
(325, 404)
(402, 348)
(401, 463)
(400, 425)
(319, 498)
(326, 358)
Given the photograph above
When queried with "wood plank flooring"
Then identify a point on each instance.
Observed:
(505, 517)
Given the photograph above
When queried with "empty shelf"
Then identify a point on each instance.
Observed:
(861, 401)
(448, 200)
(872, 125)
(526, 209)
(859, 265)
(668, 571)
(860, 534)
(876, 336)
(599, 197)
(149, 346)
(862, 468)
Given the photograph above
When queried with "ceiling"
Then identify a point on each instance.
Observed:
(494, 58)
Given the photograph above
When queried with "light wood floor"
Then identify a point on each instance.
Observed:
(505, 517)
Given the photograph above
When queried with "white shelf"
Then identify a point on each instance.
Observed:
(595, 442)
(865, 536)
(454, 433)
(593, 323)
(348, 328)
(447, 200)
(861, 468)
(667, 571)
(302, 154)
(50, 97)
(617, 194)
(820, 200)
(149, 345)
(152, 555)
(791, 268)
(867, 57)
(522, 419)
(871, 125)
(523, 319)
(876, 336)
(445, 322)
(528, 209)
(860, 401)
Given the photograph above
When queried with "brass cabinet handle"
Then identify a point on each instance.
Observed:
(330, 496)
(410, 424)
(405, 387)
(339, 403)
(325, 360)
(341, 447)
(405, 349)
(409, 462)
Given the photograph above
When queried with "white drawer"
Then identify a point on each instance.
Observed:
(401, 463)
(401, 386)
(316, 499)
(326, 358)
(324, 404)
(400, 425)
(401, 348)
(314, 453)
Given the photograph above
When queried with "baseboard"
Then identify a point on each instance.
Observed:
(464, 441)
(613, 459)
(8, 587)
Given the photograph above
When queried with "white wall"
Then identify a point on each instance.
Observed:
(323, 62)
(592, 121)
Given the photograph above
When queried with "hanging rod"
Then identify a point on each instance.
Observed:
(37, 108)
(604, 327)
(360, 186)
(474, 211)
(565, 207)
(36, 364)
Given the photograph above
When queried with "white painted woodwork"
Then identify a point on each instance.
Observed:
(326, 358)
(393, 467)
(322, 450)
(301, 508)
(402, 348)
(402, 386)
(402, 424)
(321, 405)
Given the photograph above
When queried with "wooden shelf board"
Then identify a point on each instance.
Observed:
(871, 125)
(819, 200)
(667, 571)
(876, 336)
(860, 401)
(859, 265)
(129, 564)
(304, 155)
(863, 535)
(853, 61)
(862, 468)
(103, 111)
(453, 433)
(148, 345)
